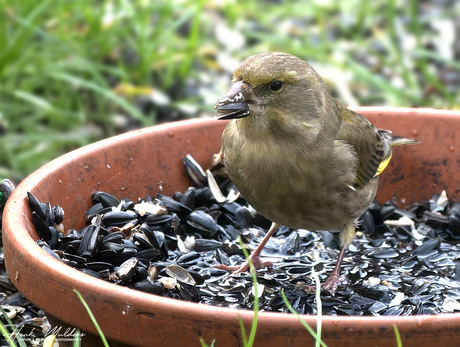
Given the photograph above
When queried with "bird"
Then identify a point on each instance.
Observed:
(297, 155)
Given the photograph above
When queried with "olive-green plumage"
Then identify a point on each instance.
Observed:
(297, 155)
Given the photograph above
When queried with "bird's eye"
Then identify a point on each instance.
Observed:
(276, 86)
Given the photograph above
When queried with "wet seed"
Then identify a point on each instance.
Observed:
(202, 222)
(105, 199)
(119, 218)
(126, 270)
(149, 286)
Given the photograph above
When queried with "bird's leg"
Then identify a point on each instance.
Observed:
(332, 282)
(254, 257)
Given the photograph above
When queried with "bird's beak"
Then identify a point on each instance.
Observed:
(233, 104)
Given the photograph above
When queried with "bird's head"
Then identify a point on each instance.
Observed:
(275, 91)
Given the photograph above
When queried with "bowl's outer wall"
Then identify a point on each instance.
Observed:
(149, 161)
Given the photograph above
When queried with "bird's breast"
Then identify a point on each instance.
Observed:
(291, 184)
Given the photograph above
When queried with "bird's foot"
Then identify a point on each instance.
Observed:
(330, 285)
(245, 266)
(254, 257)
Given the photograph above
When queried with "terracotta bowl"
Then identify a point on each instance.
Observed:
(150, 161)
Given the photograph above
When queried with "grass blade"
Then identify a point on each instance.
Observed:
(305, 324)
(93, 319)
(204, 344)
(319, 306)
(4, 330)
(243, 331)
(77, 339)
(6, 334)
(252, 334)
(398, 336)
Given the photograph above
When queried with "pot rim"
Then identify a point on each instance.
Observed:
(15, 232)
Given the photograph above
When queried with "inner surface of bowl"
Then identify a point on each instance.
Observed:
(149, 161)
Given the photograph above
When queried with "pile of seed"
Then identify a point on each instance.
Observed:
(402, 262)
(21, 318)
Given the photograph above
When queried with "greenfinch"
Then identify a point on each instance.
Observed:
(297, 155)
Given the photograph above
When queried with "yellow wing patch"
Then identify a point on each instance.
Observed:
(383, 165)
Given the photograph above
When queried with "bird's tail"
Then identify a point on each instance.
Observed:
(399, 141)
(396, 140)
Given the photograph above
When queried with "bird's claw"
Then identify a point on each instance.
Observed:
(330, 285)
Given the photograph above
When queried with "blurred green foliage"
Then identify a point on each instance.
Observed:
(73, 72)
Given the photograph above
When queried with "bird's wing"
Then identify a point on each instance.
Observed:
(371, 145)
